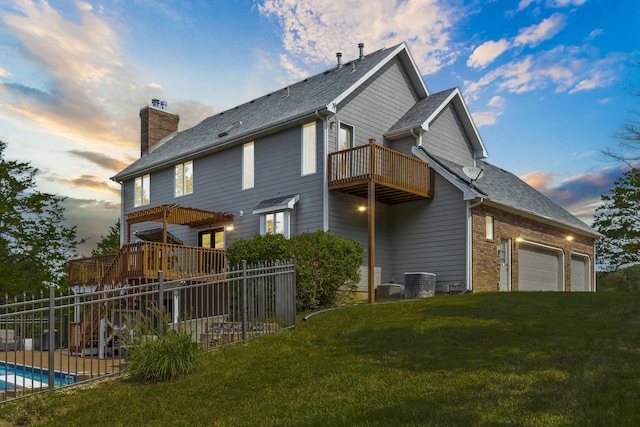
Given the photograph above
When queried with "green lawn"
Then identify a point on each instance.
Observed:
(525, 359)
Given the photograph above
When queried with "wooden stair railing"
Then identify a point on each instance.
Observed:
(143, 260)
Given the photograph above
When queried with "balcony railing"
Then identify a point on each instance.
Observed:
(402, 178)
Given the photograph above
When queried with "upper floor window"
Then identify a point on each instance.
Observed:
(345, 137)
(247, 166)
(142, 193)
(184, 179)
(309, 148)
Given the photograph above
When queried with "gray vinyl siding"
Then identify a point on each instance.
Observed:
(218, 186)
(345, 220)
(446, 138)
(430, 236)
(376, 105)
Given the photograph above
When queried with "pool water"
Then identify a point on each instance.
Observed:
(13, 375)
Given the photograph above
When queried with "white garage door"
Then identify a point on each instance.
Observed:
(579, 273)
(539, 269)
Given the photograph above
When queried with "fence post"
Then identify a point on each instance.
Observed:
(160, 302)
(244, 300)
(52, 336)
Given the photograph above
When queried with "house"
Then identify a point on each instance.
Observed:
(366, 151)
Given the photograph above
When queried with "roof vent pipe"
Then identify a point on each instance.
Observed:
(339, 56)
(163, 105)
(155, 102)
(361, 47)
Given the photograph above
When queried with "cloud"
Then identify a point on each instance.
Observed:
(523, 4)
(93, 183)
(564, 68)
(486, 118)
(497, 102)
(102, 160)
(486, 53)
(538, 33)
(580, 194)
(314, 31)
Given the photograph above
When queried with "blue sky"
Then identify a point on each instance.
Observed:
(547, 81)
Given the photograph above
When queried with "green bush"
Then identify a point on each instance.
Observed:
(327, 266)
(164, 358)
(262, 248)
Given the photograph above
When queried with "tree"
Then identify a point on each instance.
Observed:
(34, 244)
(618, 219)
(109, 244)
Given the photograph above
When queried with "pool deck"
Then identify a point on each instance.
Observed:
(85, 367)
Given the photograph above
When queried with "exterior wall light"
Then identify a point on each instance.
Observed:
(362, 208)
(230, 227)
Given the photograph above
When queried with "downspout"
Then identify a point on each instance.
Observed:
(418, 137)
(469, 248)
(325, 172)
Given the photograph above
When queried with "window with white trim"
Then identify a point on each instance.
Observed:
(345, 136)
(184, 179)
(489, 227)
(248, 163)
(142, 192)
(276, 214)
(275, 223)
(309, 148)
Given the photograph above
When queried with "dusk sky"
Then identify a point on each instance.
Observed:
(547, 81)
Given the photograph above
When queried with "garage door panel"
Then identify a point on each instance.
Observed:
(579, 273)
(539, 269)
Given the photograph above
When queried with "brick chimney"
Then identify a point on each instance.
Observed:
(155, 124)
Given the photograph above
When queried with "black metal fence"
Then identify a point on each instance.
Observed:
(55, 341)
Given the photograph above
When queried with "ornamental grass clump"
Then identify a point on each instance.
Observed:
(164, 358)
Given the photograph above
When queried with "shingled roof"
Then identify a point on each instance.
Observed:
(316, 95)
(504, 188)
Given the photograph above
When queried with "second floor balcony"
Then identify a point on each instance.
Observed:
(399, 178)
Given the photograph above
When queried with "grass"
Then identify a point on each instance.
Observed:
(525, 359)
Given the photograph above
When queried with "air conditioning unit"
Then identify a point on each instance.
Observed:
(419, 285)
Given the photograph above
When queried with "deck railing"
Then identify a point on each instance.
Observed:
(383, 165)
(144, 260)
(89, 270)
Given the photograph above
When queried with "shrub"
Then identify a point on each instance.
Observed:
(262, 248)
(167, 357)
(157, 353)
(31, 409)
(327, 268)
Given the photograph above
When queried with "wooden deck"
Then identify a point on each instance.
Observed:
(399, 178)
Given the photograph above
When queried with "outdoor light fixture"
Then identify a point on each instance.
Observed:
(569, 238)
(230, 227)
(362, 208)
(519, 239)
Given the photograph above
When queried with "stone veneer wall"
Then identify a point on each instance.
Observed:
(486, 262)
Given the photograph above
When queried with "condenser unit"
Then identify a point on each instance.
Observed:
(419, 285)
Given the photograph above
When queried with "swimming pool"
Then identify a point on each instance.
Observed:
(14, 376)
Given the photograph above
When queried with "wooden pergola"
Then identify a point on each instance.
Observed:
(175, 214)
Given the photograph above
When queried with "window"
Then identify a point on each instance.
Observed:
(247, 166)
(309, 148)
(212, 239)
(184, 179)
(345, 136)
(489, 227)
(274, 223)
(276, 214)
(142, 195)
